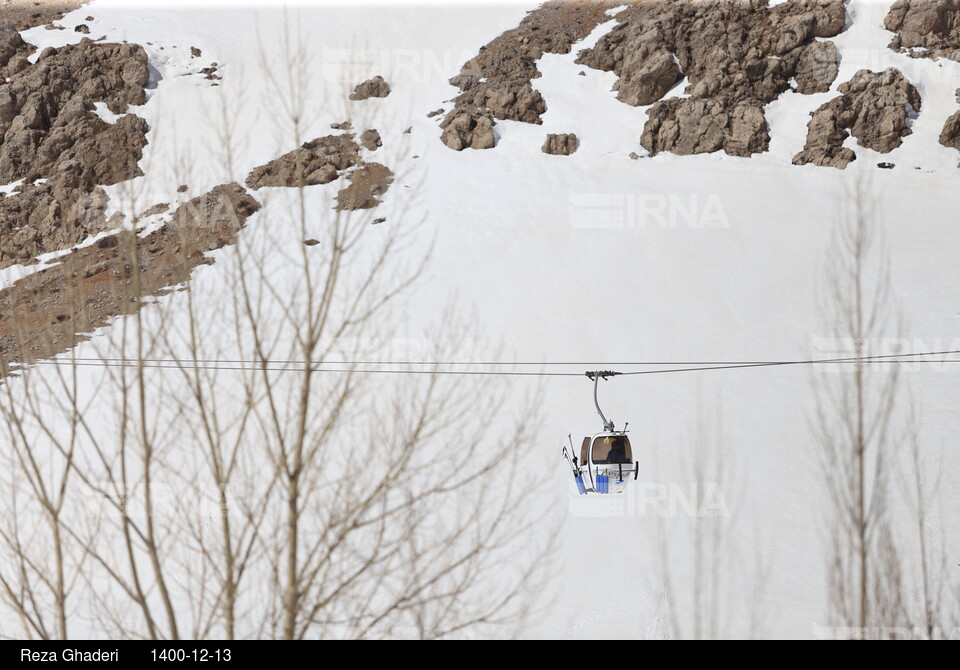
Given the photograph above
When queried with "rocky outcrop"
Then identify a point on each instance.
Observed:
(560, 145)
(929, 29)
(496, 84)
(736, 55)
(950, 135)
(367, 184)
(874, 107)
(319, 161)
(47, 119)
(817, 68)
(48, 312)
(11, 44)
(376, 87)
(49, 131)
(693, 126)
(925, 28)
(733, 49)
(371, 140)
(649, 80)
(326, 159)
(25, 14)
(516, 100)
(46, 217)
(464, 129)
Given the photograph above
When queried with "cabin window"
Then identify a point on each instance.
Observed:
(612, 449)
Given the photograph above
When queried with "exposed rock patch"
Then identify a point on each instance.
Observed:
(648, 80)
(47, 217)
(376, 87)
(210, 73)
(929, 29)
(370, 139)
(53, 142)
(49, 131)
(695, 126)
(367, 184)
(736, 55)
(817, 68)
(47, 108)
(468, 130)
(326, 159)
(925, 28)
(874, 107)
(950, 135)
(11, 46)
(49, 312)
(26, 14)
(319, 161)
(560, 145)
(496, 83)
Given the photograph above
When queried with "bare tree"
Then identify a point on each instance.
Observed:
(883, 578)
(854, 427)
(242, 475)
(933, 614)
(704, 561)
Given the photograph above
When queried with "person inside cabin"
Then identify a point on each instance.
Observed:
(617, 453)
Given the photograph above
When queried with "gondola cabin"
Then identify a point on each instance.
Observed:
(607, 459)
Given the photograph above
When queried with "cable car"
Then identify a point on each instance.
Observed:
(605, 461)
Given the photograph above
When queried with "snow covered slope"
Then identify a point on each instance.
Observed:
(599, 257)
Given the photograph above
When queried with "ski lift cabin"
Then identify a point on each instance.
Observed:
(607, 457)
(608, 460)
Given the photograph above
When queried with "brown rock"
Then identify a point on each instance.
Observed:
(371, 88)
(732, 52)
(468, 130)
(874, 107)
(10, 42)
(950, 135)
(926, 28)
(650, 81)
(496, 84)
(688, 126)
(49, 132)
(316, 162)
(367, 184)
(513, 99)
(63, 304)
(725, 48)
(210, 73)
(560, 145)
(817, 68)
(370, 139)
